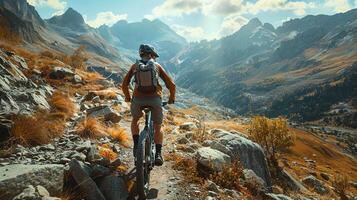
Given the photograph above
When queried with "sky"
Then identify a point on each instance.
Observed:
(194, 19)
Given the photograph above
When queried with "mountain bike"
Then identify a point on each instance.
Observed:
(145, 155)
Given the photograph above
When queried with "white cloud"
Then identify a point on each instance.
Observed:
(338, 5)
(55, 4)
(232, 24)
(108, 18)
(177, 7)
(189, 32)
(223, 7)
(297, 7)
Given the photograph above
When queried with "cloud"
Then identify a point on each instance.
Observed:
(54, 4)
(223, 7)
(177, 7)
(108, 18)
(297, 7)
(338, 5)
(232, 24)
(189, 32)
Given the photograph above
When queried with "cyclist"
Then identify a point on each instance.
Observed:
(148, 92)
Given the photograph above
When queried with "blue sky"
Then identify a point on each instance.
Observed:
(194, 19)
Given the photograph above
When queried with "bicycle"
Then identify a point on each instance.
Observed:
(145, 155)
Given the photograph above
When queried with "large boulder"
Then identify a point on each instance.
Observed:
(249, 153)
(15, 179)
(271, 196)
(61, 73)
(291, 182)
(104, 111)
(212, 159)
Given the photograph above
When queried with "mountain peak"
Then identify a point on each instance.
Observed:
(23, 10)
(70, 19)
(255, 22)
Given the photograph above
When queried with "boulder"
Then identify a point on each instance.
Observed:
(15, 179)
(251, 180)
(291, 182)
(249, 153)
(61, 72)
(325, 176)
(212, 159)
(104, 111)
(113, 188)
(77, 79)
(188, 126)
(316, 184)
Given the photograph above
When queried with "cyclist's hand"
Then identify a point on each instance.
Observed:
(127, 99)
(171, 101)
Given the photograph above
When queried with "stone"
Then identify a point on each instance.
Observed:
(61, 73)
(42, 191)
(113, 188)
(28, 193)
(96, 99)
(291, 182)
(247, 152)
(104, 111)
(79, 156)
(77, 79)
(48, 147)
(212, 159)
(251, 180)
(316, 184)
(15, 178)
(211, 186)
(188, 126)
(220, 147)
(183, 140)
(271, 196)
(325, 176)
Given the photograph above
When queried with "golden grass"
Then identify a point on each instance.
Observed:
(91, 128)
(6, 34)
(106, 94)
(62, 103)
(341, 185)
(37, 129)
(229, 176)
(119, 134)
(106, 152)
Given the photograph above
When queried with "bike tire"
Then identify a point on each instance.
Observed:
(142, 169)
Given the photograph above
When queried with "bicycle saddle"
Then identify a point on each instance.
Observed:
(146, 108)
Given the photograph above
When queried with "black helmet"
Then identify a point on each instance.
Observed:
(146, 48)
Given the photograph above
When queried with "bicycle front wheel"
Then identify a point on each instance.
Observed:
(143, 168)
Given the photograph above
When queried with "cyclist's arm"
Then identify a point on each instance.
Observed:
(126, 82)
(168, 82)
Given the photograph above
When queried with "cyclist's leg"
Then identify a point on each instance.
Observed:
(157, 116)
(136, 113)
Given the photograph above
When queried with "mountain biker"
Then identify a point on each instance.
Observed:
(142, 96)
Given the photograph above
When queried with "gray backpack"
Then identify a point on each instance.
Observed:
(146, 76)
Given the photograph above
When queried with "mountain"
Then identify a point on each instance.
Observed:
(155, 32)
(70, 19)
(263, 70)
(22, 10)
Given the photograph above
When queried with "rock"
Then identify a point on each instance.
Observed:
(248, 153)
(212, 159)
(61, 73)
(251, 180)
(211, 186)
(42, 191)
(271, 196)
(28, 193)
(79, 156)
(188, 126)
(183, 140)
(220, 147)
(316, 184)
(5, 126)
(77, 79)
(207, 143)
(15, 178)
(96, 99)
(325, 176)
(291, 182)
(108, 113)
(113, 188)
(48, 147)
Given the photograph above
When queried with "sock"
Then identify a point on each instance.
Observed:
(158, 148)
(136, 140)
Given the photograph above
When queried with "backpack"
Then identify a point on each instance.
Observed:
(146, 76)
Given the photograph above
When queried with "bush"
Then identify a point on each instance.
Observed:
(272, 134)
(229, 176)
(77, 59)
(119, 134)
(106, 152)
(91, 128)
(62, 105)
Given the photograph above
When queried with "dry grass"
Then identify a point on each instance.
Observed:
(62, 104)
(6, 34)
(107, 94)
(341, 185)
(106, 152)
(91, 128)
(37, 129)
(119, 134)
(229, 176)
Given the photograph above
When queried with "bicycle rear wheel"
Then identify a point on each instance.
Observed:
(143, 168)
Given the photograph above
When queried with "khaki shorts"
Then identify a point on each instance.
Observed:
(137, 103)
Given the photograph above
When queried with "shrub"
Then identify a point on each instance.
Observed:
(91, 128)
(229, 176)
(272, 134)
(119, 134)
(201, 134)
(106, 152)
(341, 185)
(188, 167)
(77, 59)
(62, 103)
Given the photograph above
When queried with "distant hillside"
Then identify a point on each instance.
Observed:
(252, 69)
